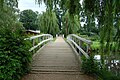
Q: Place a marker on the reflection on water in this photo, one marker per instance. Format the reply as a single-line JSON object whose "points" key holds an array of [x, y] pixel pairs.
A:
{"points": [[113, 64]]}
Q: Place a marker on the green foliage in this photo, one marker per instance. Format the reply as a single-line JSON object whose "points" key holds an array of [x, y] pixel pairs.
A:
{"points": [[89, 66], [48, 22], [95, 45], [106, 12], [70, 24], [89, 5], [92, 67], [107, 75], [15, 57], [29, 18], [73, 6], [49, 3]]}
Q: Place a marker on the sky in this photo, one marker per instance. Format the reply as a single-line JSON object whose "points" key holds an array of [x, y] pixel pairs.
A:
{"points": [[30, 4]]}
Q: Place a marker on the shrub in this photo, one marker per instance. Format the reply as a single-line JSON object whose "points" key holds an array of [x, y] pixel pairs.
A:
{"points": [[14, 55], [89, 66], [104, 74]]}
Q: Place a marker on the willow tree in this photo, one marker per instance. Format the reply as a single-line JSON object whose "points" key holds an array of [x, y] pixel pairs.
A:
{"points": [[107, 13], [48, 22], [70, 24], [73, 6]]}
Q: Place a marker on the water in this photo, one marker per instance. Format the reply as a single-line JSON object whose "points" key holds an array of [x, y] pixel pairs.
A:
{"points": [[113, 64]]}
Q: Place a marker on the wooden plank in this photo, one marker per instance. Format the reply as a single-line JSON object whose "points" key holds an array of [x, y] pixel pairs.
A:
{"points": [[52, 63], [53, 55]]}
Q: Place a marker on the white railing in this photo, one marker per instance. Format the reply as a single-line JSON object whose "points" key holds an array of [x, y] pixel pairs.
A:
{"points": [[77, 43], [39, 40]]}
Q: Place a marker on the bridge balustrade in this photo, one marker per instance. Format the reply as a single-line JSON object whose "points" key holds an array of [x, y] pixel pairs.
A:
{"points": [[39, 40], [80, 45]]}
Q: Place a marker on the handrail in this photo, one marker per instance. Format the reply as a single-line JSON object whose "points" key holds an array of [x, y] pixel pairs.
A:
{"points": [[76, 42], [34, 37], [41, 39], [82, 39]]}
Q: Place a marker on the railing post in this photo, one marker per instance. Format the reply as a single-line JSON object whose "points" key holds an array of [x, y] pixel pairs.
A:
{"points": [[88, 49], [39, 40], [73, 40], [77, 43], [56, 35], [79, 46], [33, 44], [43, 39]]}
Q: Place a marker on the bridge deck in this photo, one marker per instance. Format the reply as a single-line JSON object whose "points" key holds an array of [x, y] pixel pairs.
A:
{"points": [[56, 61]]}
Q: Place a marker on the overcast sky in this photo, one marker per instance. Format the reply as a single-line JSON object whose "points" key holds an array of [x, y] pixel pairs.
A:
{"points": [[30, 4]]}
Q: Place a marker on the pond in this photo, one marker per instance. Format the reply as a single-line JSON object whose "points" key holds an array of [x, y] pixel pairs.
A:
{"points": [[112, 63]]}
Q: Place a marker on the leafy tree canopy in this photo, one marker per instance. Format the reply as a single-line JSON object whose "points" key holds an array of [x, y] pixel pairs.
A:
{"points": [[28, 18]]}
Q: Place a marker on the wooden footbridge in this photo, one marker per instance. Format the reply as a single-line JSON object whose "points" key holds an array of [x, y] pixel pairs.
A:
{"points": [[57, 60]]}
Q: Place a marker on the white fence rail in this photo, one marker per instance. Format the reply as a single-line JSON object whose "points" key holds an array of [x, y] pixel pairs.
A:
{"points": [[39, 40], [77, 43]]}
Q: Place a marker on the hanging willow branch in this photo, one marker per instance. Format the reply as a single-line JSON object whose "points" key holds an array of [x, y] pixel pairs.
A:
{"points": [[70, 24], [48, 22]]}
